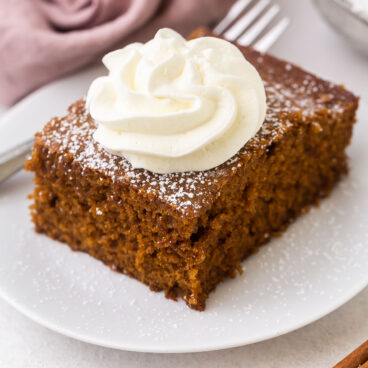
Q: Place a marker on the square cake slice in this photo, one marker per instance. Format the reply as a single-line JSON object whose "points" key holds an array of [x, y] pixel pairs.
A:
{"points": [[186, 232]]}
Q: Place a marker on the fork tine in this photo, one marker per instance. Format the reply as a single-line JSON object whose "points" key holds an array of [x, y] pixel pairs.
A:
{"points": [[231, 15], [252, 33], [269, 38], [238, 28]]}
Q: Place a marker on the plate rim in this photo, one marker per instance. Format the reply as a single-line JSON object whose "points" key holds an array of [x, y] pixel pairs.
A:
{"points": [[157, 350]]}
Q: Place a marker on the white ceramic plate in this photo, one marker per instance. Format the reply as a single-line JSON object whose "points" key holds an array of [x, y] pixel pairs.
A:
{"points": [[317, 265]]}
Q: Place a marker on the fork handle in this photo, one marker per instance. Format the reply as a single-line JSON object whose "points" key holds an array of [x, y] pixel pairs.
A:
{"points": [[14, 159]]}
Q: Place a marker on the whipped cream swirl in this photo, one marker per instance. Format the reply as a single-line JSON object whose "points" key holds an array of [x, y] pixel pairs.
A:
{"points": [[172, 105]]}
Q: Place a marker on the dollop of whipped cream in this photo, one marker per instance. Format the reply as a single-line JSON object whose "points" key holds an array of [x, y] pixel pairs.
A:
{"points": [[172, 105]]}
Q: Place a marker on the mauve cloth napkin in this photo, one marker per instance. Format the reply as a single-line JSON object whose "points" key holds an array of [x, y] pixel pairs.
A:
{"points": [[41, 40]]}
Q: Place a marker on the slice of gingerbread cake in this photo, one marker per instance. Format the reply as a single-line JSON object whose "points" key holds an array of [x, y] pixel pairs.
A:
{"points": [[184, 231]]}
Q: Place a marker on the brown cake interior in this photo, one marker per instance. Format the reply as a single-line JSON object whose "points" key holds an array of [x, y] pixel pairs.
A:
{"points": [[185, 232]]}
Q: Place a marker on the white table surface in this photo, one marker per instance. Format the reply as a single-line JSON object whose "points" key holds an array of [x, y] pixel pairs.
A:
{"points": [[310, 43]]}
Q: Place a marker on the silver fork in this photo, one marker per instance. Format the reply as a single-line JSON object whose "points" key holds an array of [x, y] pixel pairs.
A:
{"points": [[246, 22]]}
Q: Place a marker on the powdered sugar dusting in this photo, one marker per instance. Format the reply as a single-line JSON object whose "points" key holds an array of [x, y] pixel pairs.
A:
{"points": [[292, 95]]}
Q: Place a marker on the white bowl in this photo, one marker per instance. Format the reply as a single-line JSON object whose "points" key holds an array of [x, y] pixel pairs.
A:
{"points": [[349, 23]]}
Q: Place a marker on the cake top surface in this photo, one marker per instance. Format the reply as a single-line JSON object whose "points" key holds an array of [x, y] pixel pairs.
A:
{"points": [[293, 95]]}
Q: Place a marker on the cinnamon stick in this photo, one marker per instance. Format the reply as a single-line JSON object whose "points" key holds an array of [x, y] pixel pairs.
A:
{"points": [[358, 358]]}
